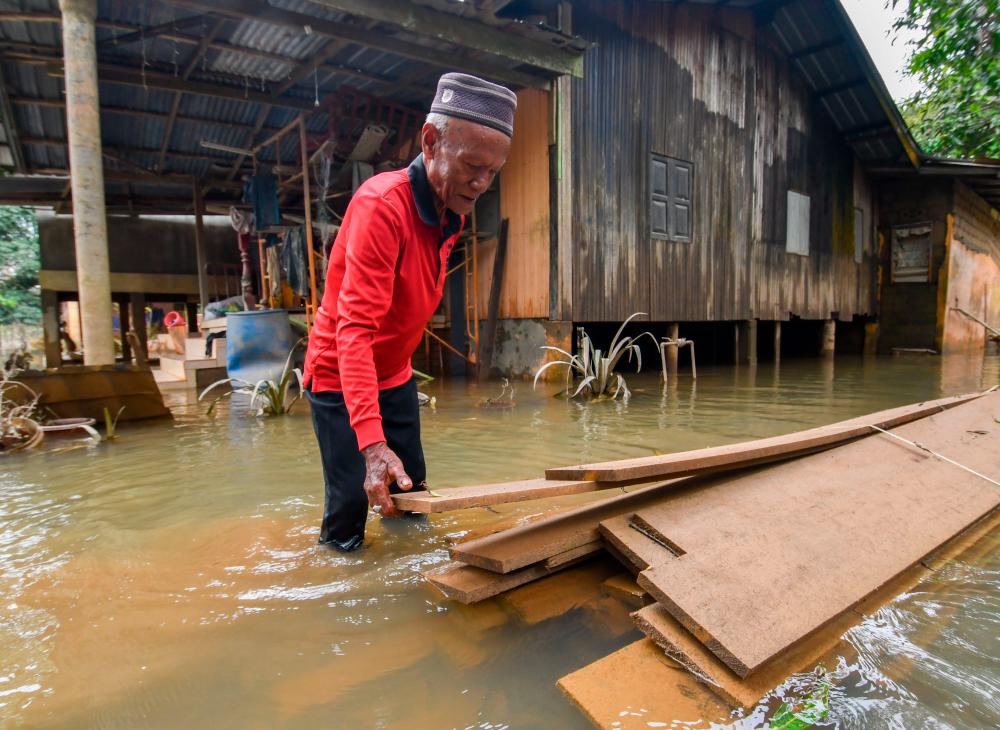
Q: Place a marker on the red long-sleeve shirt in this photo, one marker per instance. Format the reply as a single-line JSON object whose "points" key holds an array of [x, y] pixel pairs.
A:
{"points": [[384, 281]]}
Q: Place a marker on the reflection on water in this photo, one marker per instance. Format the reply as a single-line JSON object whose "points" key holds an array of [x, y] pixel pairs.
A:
{"points": [[172, 578]]}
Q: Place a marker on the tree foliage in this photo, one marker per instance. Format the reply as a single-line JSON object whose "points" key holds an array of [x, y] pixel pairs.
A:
{"points": [[20, 299], [957, 59]]}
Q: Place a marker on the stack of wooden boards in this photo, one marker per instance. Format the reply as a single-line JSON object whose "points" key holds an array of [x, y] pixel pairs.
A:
{"points": [[756, 571]]}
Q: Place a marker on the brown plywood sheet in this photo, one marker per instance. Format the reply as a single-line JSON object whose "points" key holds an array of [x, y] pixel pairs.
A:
{"points": [[624, 588], [772, 555], [750, 453], [559, 594], [823, 646], [519, 547], [484, 495], [638, 687]]}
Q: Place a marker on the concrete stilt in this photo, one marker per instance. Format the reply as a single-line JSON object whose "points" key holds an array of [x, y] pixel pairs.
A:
{"points": [[829, 338], [50, 328], [777, 341], [673, 332], [87, 178]]}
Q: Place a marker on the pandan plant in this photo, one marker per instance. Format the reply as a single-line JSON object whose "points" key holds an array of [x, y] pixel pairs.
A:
{"points": [[267, 397], [597, 368]]}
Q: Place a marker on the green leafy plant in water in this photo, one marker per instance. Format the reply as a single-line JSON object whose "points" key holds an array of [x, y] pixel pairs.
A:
{"points": [[267, 397], [111, 424], [810, 710], [596, 368]]}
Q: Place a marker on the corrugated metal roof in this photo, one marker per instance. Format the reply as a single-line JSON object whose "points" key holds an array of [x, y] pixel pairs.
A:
{"points": [[246, 55]]}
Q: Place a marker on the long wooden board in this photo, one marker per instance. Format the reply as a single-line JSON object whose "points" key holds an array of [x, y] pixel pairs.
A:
{"points": [[770, 556], [522, 546], [468, 584], [749, 453], [485, 495]]}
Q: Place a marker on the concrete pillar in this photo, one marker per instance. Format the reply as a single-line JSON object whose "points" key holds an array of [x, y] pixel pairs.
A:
{"points": [[673, 332], [829, 338], [50, 328], [137, 305], [87, 178], [777, 341]]}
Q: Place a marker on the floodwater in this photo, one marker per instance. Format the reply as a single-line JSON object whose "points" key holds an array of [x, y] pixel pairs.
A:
{"points": [[171, 578]]}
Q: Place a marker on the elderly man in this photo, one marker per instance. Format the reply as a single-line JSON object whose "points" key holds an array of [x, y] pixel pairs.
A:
{"points": [[384, 281]]}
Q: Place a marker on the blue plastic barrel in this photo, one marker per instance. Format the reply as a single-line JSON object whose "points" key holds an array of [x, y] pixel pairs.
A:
{"points": [[257, 344]]}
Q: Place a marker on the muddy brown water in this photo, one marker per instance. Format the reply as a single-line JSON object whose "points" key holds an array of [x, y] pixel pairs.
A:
{"points": [[171, 578]]}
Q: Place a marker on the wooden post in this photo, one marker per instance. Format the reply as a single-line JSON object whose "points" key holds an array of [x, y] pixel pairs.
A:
{"points": [[123, 327], [871, 339], [199, 249], [137, 303], [829, 338], [673, 332], [307, 201], [50, 328], [90, 226], [561, 306], [777, 341], [751, 341]]}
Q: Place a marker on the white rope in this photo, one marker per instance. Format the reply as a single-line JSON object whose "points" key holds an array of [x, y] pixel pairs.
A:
{"points": [[934, 453]]}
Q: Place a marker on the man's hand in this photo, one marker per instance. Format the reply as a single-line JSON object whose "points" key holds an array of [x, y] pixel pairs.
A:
{"points": [[382, 468]]}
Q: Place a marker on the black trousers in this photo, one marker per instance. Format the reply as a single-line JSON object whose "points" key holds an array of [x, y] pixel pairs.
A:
{"points": [[345, 504]]}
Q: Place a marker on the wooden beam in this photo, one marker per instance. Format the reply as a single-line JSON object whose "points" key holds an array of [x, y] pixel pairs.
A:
{"points": [[10, 126], [457, 30], [175, 106], [152, 31], [139, 177], [484, 495], [123, 151], [817, 48], [843, 86], [157, 80], [263, 12], [60, 104], [303, 69]]}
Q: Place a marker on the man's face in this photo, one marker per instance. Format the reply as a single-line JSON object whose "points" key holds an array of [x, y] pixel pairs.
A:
{"points": [[462, 163]]}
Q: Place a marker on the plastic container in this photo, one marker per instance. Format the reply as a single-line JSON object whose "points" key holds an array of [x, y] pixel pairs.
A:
{"points": [[257, 344]]}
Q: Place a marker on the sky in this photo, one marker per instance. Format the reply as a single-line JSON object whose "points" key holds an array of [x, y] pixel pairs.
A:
{"points": [[874, 24]]}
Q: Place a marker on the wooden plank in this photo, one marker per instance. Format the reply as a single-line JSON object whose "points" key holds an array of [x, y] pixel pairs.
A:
{"points": [[749, 453], [638, 687], [522, 546], [824, 532], [493, 306], [483, 495], [639, 550], [469, 584]]}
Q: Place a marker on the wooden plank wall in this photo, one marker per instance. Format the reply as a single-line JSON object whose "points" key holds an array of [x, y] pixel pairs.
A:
{"points": [[524, 200], [706, 85]]}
